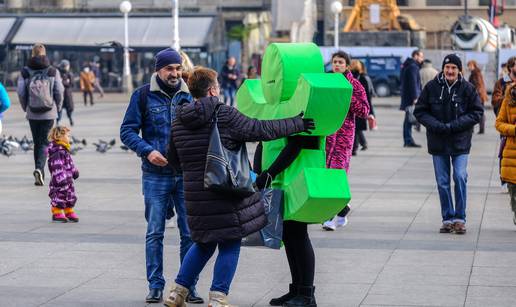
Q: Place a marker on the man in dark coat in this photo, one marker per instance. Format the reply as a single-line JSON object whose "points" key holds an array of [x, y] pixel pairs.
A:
{"points": [[410, 89], [217, 220], [151, 110], [449, 107], [67, 78]]}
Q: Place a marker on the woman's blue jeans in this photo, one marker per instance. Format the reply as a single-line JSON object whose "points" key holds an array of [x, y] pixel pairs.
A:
{"points": [[225, 265]]}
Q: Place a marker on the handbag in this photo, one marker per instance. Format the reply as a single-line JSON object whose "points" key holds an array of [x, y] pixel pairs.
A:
{"points": [[227, 171], [410, 115], [371, 121], [271, 235]]}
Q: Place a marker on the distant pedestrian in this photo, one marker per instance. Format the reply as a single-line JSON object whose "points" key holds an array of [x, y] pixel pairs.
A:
{"points": [[40, 91], [63, 171], [502, 84], [503, 70], [506, 125], [87, 81], [227, 219], [5, 103], [360, 73], [187, 65], [449, 108], [146, 130], [410, 90], [477, 80], [67, 77], [95, 68], [427, 72], [229, 77], [339, 146]]}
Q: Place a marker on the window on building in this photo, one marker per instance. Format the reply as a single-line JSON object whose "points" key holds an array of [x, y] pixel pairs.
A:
{"points": [[443, 2], [510, 2], [484, 2]]}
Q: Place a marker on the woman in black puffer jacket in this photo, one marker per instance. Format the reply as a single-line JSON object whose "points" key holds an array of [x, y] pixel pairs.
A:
{"points": [[216, 220]]}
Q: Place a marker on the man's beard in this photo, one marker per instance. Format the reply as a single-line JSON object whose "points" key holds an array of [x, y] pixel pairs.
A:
{"points": [[172, 82]]}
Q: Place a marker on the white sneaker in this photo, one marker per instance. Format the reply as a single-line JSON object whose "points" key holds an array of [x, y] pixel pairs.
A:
{"points": [[342, 221], [329, 225]]}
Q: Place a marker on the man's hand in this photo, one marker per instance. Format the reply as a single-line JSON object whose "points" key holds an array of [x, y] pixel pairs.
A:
{"points": [[156, 158]]}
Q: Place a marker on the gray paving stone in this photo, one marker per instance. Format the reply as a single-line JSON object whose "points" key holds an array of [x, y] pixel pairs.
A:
{"points": [[416, 295], [479, 296]]}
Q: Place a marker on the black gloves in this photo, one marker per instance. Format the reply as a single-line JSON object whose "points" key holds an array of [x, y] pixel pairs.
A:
{"points": [[308, 124]]}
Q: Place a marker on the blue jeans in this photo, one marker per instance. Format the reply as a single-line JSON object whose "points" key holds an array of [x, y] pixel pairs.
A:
{"points": [[407, 131], [225, 265], [460, 178], [229, 94], [160, 192]]}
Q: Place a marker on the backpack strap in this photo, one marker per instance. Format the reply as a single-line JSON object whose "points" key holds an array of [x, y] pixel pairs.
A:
{"points": [[142, 101]]}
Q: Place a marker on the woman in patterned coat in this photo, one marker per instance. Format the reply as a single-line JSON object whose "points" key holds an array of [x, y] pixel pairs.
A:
{"points": [[339, 145]]}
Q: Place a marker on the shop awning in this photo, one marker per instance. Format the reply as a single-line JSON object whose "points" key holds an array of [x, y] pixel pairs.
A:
{"points": [[5, 27], [93, 31]]}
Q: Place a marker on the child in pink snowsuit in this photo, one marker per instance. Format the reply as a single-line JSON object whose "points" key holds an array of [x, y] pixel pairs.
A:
{"points": [[339, 145], [62, 192]]}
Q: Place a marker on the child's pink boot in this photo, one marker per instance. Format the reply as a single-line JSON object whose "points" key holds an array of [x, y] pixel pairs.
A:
{"points": [[58, 215], [71, 215]]}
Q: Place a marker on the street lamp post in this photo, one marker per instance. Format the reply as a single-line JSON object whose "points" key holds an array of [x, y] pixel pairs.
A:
{"points": [[336, 8], [175, 25], [127, 80]]}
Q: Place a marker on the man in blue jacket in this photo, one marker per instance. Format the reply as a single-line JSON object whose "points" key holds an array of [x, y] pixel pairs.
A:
{"points": [[151, 111], [410, 90]]}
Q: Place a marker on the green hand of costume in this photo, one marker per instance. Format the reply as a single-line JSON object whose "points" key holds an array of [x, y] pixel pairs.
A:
{"points": [[293, 80]]}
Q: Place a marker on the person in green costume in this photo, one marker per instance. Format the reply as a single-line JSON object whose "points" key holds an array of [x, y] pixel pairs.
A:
{"points": [[293, 80]]}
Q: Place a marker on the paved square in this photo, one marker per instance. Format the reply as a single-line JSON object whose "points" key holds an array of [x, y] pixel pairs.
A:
{"points": [[390, 254]]}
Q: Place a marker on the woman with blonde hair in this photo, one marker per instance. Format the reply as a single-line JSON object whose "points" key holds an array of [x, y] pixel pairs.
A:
{"points": [[477, 80]]}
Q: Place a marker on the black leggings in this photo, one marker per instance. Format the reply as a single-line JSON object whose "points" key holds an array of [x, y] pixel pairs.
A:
{"points": [[300, 254]]}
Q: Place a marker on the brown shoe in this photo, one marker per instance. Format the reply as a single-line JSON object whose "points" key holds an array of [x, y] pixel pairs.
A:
{"points": [[446, 228], [459, 228]]}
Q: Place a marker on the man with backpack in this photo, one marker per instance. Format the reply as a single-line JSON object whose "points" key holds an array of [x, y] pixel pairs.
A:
{"points": [[151, 111], [40, 91]]}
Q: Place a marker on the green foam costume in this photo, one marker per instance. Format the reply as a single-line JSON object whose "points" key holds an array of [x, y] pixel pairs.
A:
{"points": [[293, 80]]}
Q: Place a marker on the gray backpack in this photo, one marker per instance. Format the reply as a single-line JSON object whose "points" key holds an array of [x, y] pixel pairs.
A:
{"points": [[40, 88]]}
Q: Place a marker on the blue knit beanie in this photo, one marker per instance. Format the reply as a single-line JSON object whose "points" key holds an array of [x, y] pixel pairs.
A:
{"points": [[166, 57]]}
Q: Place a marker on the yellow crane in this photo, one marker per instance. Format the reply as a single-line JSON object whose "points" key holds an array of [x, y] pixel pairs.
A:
{"points": [[388, 15]]}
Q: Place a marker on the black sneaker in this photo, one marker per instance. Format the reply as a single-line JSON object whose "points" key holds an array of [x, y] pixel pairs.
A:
{"points": [[38, 177], [154, 296], [194, 298]]}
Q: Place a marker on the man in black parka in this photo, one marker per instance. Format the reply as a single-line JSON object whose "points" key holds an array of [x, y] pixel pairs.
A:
{"points": [[449, 107]]}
